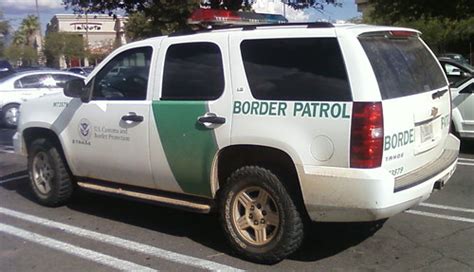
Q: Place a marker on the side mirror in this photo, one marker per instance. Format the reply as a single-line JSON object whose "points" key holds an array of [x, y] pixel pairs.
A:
{"points": [[74, 88]]}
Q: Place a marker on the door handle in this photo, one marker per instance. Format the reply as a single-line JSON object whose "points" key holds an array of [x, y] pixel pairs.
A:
{"points": [[133, 117], [211, 120]]}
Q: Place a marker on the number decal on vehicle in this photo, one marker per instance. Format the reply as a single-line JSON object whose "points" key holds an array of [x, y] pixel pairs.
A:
{"points": [[397, 171]]}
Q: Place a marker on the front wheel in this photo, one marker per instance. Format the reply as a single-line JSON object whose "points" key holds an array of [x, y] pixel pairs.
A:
{"points": [[50, 180], [259, 217]]}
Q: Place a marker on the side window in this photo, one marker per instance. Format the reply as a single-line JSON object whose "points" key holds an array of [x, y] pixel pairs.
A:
{"points": [[452, 70], [62, 79], [310, 69], [33, 81], [125, 77], [193, 71]]}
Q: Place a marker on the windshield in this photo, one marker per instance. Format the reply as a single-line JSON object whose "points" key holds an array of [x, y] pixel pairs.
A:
{"points": [[402, 66]]}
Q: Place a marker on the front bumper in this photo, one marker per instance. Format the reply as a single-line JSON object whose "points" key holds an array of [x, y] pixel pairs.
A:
{"points": [[350, 195], [19, 144]]}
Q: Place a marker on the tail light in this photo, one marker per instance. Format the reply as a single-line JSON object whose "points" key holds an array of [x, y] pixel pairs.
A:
{"points": [[366, 135]]}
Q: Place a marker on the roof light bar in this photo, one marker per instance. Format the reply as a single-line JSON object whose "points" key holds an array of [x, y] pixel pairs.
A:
{"points": [[227, 17]]}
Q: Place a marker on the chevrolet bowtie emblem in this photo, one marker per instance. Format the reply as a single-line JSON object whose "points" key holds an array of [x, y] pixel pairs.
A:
{"points": [[434, 111]]}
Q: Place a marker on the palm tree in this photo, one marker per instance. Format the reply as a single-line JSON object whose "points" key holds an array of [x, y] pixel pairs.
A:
{"points": [[29, 27]]}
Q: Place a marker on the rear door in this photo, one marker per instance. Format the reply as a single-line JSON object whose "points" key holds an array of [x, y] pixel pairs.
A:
{"points": [[415, 99], [192, 116]]}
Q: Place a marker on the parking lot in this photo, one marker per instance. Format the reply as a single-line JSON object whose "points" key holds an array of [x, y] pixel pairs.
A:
{"points": [[102, 233]]}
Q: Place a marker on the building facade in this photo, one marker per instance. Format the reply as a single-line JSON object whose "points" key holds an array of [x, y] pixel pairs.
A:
{"points": [[100, 33]]}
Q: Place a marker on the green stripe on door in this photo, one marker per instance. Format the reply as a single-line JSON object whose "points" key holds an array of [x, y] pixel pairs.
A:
{"points": [[189, 147]]}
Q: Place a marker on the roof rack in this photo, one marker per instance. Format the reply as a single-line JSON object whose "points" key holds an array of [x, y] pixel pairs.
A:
{"points": [[210, 28]]}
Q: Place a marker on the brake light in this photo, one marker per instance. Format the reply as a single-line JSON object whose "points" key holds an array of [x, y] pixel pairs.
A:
{"points": [[402, 34], [217, 16], [366, 135]]}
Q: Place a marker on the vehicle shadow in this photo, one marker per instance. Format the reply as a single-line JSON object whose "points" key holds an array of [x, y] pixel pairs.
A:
{"points": [[324, 240], [467, 146], [328, 239]]}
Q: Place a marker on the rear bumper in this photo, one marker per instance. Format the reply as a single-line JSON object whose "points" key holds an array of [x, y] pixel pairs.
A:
{"points": [[349, 195]]}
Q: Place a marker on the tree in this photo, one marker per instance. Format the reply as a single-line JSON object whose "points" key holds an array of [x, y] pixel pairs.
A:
{"points": [[23, 49], [160, 17], [57, 45], [20, 54], [392, 11], [29, 27], [446, 25], [317, 4], [4, 31]]}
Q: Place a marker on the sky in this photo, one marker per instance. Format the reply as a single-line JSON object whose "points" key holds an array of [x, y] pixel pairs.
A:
{"points": [[16, 10]]}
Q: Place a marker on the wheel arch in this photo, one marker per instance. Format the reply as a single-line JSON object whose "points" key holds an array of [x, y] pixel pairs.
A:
{"points": [[456, 119], [280, 162], [11, 103], [32, 133]]}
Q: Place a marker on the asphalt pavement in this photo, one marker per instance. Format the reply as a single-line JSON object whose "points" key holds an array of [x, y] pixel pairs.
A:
{"points": [[103, 233]]}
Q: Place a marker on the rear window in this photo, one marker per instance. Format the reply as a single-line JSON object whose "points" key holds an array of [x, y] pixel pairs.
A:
{"points": [[307, 69], [402, 67]]}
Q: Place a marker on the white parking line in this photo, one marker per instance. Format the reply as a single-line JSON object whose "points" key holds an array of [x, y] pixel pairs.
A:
{"points": [[13, 179], [465, 159], [73, 250], [123, 243], [443, 207], [465, 163], [442, 216]]}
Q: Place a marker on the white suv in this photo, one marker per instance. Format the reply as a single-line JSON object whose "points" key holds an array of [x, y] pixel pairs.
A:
{"points": [[266, 125]]}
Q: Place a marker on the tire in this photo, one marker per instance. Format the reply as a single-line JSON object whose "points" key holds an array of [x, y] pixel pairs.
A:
{"points": [[263, 231], [50, 180], [10, 114], [453, 131]]}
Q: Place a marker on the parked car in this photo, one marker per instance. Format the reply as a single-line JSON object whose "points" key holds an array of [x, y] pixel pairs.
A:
{"points": [[84, 71], [19, 87], [456, 71], [5, 69], [456, 57], [461, 82], [462, 93]]}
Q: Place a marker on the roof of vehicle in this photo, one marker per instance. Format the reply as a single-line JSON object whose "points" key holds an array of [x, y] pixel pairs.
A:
{"points": [[38, 72], [18, 75], [359, 28]]}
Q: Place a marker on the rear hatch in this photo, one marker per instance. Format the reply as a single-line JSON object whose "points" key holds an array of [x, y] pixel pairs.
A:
{"points": [[415, 99]]}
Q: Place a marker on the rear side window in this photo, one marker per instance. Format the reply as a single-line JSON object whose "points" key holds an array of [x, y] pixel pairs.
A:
{"points": [[307, 69], [193, 71], [61, 79], [402, 67]]}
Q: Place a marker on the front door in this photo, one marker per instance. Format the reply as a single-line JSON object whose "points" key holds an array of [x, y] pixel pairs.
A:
{"points": [[109, 134], [463, 104]]}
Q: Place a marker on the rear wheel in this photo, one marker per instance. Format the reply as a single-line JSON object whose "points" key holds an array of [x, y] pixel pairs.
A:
{"points": [[50, 180], [10, 115], [259, 218]]}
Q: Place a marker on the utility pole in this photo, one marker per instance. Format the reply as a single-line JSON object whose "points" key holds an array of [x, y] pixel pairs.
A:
{"points": [[40, 44]]}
